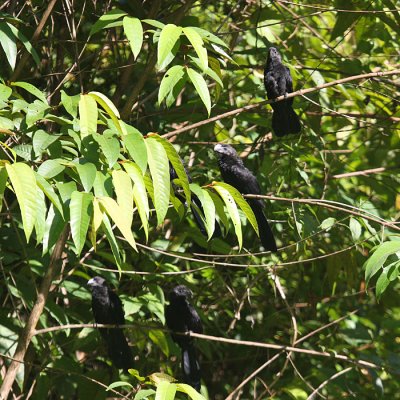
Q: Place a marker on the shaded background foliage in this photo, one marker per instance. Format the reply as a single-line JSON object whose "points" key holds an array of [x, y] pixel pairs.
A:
{"points": [[346, 128]]}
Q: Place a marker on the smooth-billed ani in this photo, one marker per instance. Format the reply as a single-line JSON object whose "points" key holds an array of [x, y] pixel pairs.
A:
{"points": [[196, 205], [107, 309], [237, 175], [181, 316], [278, 82]]}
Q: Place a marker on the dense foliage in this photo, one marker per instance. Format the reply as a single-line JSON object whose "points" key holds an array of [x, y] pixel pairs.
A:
{"points": [[97, 98]]}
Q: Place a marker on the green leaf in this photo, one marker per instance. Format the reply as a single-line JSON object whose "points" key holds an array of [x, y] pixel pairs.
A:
{"points": [[24, 151], [40, 221], [378, 258], [139, 194], [208, 208], [208, 36], [110, 108], [176, 162], [144, 394], [50, 168], [107, 20], [242, 203], [169, 80], [232, 210], [18, 34], [81, 210], [355, 229], [87, 174], [109, 145], [134, 32], [165, 391], [112, 208], [70, 103], [118, 384], [210, 72], [24, 183], [168, 38], [54, 226], [8, 43], [88, 115], [136, 146], [124, 191], [96, 222], [158, 337], [190, 391], [328, 223], [198, 45], [32, 90], [201, 87], [382, 283], [219, 208], [153, 22], [3, 182], [159, 170], [41, 141], [49, 192], [112, 241]]}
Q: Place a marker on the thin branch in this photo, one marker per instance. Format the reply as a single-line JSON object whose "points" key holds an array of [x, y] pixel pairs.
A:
{"points": [[344, 371], [249, 343], [287, 96], [364, 172]]}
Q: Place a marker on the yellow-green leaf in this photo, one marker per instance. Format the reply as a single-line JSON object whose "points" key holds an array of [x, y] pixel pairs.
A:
{"points": [[198, 45], [168, 38], [134, 32], [24, 183], [201, 87], [88, 115], [124, 191]]}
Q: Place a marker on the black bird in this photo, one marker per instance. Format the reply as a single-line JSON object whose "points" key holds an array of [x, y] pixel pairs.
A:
{"points": [[181, 316], [278, 82], [237, 175], [196, 205], [107, 309]]}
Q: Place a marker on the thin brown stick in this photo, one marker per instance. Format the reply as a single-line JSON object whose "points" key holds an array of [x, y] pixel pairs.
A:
{"points": [[29, 329], [341, 357], [365, 172], [344, 371], [287, 96]]}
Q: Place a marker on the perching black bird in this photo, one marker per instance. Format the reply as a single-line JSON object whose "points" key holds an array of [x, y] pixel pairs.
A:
{"points": [[181, 316], [278, 82], [237, 175], [107, 309], [196, 205]]}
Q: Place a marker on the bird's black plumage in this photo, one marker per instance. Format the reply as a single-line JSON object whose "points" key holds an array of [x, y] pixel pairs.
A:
{"points": [[181, 316], [237, 175], [195, 207], [107, 309], [278, 82]]}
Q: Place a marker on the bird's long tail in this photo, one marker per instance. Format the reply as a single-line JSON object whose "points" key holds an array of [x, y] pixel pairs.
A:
{"points": [[191, 367], [118, 349], [266, 235], [285, 120]]}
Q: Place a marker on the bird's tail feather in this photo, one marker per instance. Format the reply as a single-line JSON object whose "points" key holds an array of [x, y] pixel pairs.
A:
{"points": [[119, 350], [191, 367], [285, 121], [266, 235]]}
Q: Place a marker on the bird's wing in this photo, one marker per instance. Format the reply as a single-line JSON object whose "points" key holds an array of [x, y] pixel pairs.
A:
{"points": [[117, 309], [244, 181], [289, 82], [193, 320]]}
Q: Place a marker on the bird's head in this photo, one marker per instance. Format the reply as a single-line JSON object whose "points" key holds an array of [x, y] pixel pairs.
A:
{"points": [[224, 150], [180, 292], [96, 282], [273, 54]]}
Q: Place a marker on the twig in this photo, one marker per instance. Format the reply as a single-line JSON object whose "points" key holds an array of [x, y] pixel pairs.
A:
{"points": [[341, 357], [312, 395], [365, 172]]}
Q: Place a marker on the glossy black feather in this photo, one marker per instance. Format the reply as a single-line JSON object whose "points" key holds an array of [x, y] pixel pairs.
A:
{"points": [[278, 82], [237, 175], [181, 316], [107, 309]]}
